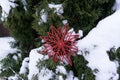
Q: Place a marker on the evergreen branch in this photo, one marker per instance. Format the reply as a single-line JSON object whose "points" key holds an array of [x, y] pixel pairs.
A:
{"points": [[16, 73]]}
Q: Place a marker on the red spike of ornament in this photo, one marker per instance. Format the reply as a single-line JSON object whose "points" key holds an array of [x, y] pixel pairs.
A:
{"points": [[60, 44]]}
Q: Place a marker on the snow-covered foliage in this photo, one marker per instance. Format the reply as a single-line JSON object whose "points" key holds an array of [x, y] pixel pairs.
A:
{"points": [[43, 17], [94, 48], [44, 73], [34, 58], [58, 8], [24, 66], [6, 6], [61, 69], [95, 45], [117, 5], [13, 78], [64, 22], [24, 3], [5, 48]]}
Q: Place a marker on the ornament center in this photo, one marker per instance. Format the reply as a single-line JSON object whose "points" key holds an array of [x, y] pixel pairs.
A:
{"points": [[60, 43]]}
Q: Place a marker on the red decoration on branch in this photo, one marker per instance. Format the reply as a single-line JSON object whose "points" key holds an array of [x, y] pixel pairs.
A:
{"points": [[60, 44]]}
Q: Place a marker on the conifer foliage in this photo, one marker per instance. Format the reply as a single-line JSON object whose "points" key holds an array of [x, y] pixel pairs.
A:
{"points": [[32, 18], [114, 55], [80, 14], [19, 22]]}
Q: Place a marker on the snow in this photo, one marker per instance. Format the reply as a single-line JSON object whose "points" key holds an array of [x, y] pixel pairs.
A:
{"points": [[6, 6], [93, 47], [45, 74], [44, 15], [34, 58], [80, 33], [99, 40], [61, 69], [58, 8], [76, 78], [61, 78], [5, 48], [117, 5], [64, 22], [24, 66], [24, 3], [15, 57], [70, 76], [13, 78]]}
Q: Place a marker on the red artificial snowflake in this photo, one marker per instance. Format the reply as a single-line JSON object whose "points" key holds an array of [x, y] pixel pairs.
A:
{"points": [[60, 44]]}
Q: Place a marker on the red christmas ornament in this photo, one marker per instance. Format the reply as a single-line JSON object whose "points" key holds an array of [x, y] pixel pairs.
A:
{"points": [[60, 44]]}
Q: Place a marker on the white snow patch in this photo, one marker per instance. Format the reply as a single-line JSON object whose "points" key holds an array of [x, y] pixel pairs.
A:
{"points": [[70, 76], [58, 8], [80, 33], [15, 57], [24, 66], [44, 15], [34, 58], [25, 4], [5, 48], [75, 78], [99, 40], [13, 78], [61, 78], [6, 6], [45, 74], [61, 69], [117, 5], [64, 22]]}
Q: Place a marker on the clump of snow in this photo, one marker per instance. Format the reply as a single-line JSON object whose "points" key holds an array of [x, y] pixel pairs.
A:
{"points": [[99, 40], [15, 57], [75, 78], [45, 74], [24, 66], [25, 4], [64, 22], [13, 78], [19, 55], [34, 58], [6, 6], [117, 5], [80, 33], [5, 48], [70, 76], [61, 69], [60, 77], [58, 8], [44, 16]]}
